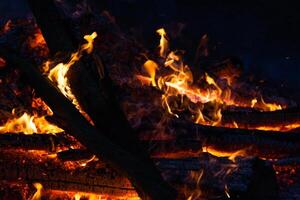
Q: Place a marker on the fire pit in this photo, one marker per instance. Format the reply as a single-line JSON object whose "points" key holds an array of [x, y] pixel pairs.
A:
{"points": [[88, 111]]}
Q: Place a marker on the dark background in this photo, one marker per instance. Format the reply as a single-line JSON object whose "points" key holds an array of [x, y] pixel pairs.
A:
{"points": [[264, 34]]}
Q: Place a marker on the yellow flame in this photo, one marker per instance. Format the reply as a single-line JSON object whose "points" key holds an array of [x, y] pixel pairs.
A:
{"points": [[253, 102], [163, 43], [230, 155], [58, 74], [203, 98], [270, 106], [29, 124], [38, 194], [151, 67]]}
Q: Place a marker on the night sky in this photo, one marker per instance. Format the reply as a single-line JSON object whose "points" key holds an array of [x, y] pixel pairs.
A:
{"points": [[264, 34]]}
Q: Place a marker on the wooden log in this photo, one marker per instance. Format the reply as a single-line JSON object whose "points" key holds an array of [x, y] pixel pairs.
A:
{"points": [[257, 119], [242, 178], [192, 138], [147, 181], [35, 141], [190, 141], [53, 26], [209, 177], [97, 94], [91, 85], [52, 174]]}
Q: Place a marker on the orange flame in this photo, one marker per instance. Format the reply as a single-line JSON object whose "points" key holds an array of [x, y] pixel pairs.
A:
{"points": [[178, 85], [29, 124], [163, 43], [38, 194], [58, 74]]}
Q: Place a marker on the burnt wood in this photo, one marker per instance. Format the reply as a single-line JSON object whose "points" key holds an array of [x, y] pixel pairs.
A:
{"points": [[95, 94], [255, 118], [143, 176], [245, 178], [52, 26], [90, 83], [46, 142], [190, 139]]}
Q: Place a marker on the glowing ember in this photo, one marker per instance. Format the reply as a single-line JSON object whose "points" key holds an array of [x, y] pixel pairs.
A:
{"points": [[29, 124], [2, 62], [38, 42], [58, 74]]}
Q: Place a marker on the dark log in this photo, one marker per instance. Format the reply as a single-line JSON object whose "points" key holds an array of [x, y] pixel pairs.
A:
{"points": [[46, 142], [220, 178], [52, 25], [191, 138], [242, 179], [52, 174], [256, 119], [95, 95], [146, 180], [93, 90]]}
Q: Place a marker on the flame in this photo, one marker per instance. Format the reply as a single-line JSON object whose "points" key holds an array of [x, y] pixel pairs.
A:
{"points": [[151, 68], [253, 102], [58, 74], [163, 43], [179, 83], [204, 98], [29, 124], [270, 106], [38, 194], [230, 155], [77, 195], [283, 128]]}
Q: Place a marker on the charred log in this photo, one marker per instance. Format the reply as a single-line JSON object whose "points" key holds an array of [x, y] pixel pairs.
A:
{"points": [[46, 142], [241, 179], [93, 88], [54, 175], [258, 119], [143, 176], [192, 138]]}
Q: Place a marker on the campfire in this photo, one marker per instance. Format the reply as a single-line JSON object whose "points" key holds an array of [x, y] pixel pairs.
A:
{"points": [[89, 112]]}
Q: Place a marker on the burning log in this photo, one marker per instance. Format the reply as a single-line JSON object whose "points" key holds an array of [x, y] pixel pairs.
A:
{"points": [[90, 83], [53, 26], [146, 180], [219, 177], [102, 108], [36, 167], [222, 178], [276, 118], [193, 138], [46, 142]]}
